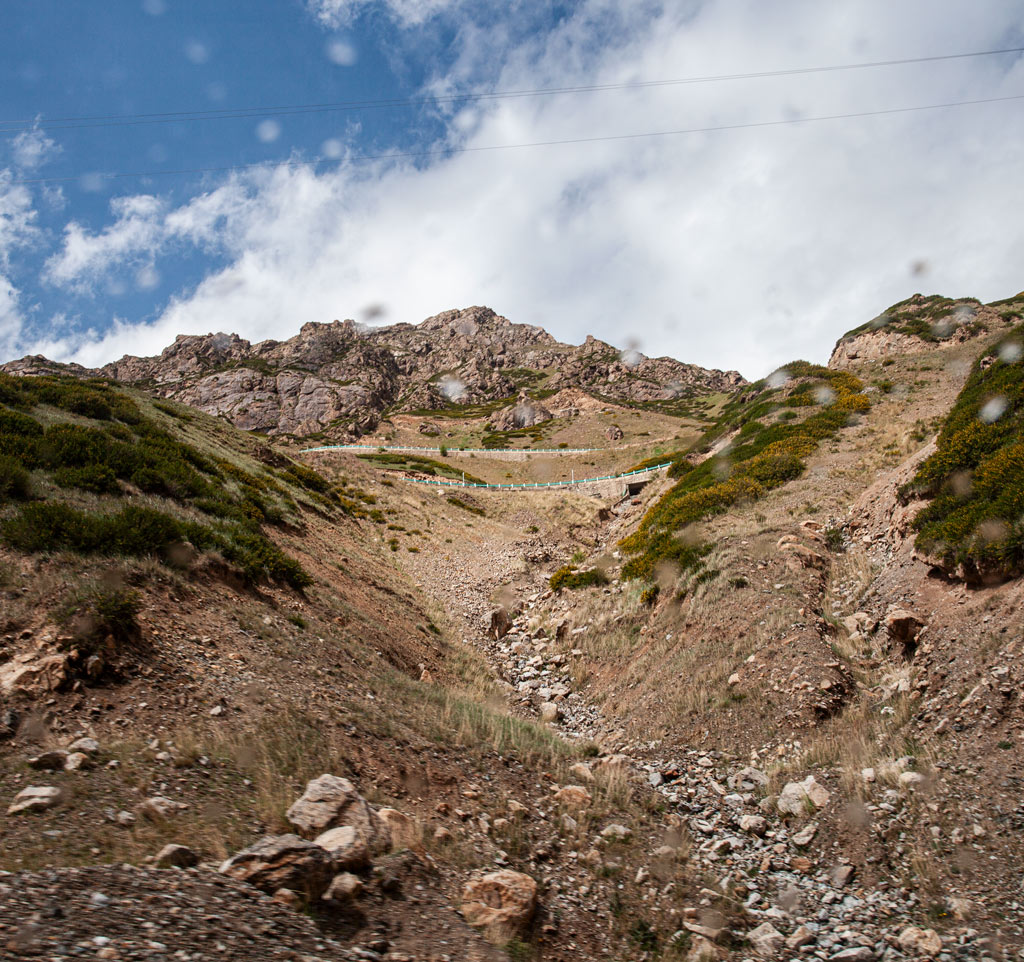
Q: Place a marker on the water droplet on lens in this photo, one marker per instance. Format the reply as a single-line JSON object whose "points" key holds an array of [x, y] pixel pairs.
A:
{"points": [[197, 51], [452, 388], [824, 395], [1010, 352], [268, 131], [333, 148], [147, 278], [778, 378], [342, 53], [993, 410]]}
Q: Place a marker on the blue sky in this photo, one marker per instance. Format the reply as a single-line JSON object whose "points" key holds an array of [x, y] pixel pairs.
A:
{"points": [[735, 248]]}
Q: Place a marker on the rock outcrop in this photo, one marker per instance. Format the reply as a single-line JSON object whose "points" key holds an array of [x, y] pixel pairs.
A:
{"points": [[342, 377]]}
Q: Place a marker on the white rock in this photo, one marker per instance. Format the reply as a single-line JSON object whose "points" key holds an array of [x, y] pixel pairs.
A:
{"points": [[35, 798], [766, 940]]}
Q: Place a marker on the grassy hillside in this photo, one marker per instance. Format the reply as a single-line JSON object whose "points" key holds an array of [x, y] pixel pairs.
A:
{"points": [[975, 479], [93, 469], [776, 428]]}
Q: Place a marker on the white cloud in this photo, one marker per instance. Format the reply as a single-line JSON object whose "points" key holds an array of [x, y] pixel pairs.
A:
{"points": [[742, 248], [32, 148], [85, 257], [17, 217], [339, 13], [11, 321]]}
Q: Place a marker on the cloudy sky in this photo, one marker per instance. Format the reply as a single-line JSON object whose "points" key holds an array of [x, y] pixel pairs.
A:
{"points": [[182, 166]]}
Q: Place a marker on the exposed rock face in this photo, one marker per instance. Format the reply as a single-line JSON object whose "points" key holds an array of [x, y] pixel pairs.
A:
{"points": [[341, 376], [502, 904]]}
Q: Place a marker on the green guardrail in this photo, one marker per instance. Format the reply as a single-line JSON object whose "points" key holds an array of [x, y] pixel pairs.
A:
{"points": [[454, 483], [407, 447]]}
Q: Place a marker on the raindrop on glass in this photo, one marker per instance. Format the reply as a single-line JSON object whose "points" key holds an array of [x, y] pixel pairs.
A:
{"points": [[778, 378], [1010, 351], [333, 148], [342, 53], [452, 388], [879, 322], [147, 278], [824, 394], [92, 182], [197, 51], [268, 131], [155, 8], [993, 410]]}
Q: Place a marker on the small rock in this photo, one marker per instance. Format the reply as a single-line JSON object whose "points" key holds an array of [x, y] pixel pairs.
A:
{"points": [[176, 856], [799, 938], [805, 836], [502, 904], [344, 888], [766, 940], [801, 798], [330, 801], [581, 772], [88, 745], [573, 796], [842, 874], [911, 780], [615, 831], [158, 808], [35, 798], [856, 953], [550, 712], [76, 761], [755, 824], [915, 941], [51, 761]]}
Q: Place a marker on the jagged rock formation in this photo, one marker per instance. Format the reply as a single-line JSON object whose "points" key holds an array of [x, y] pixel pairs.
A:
{"points": [[342, 377]]}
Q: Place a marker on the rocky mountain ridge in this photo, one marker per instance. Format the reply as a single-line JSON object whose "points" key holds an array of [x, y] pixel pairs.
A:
{"points": [[342, 379]]}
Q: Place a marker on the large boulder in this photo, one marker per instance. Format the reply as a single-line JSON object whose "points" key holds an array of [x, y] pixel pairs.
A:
{"points": [[284, 862], [329, 802], [501, 904]]}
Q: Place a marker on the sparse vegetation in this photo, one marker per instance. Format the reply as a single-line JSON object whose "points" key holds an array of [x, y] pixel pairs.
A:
{"points": [[975, 479]]}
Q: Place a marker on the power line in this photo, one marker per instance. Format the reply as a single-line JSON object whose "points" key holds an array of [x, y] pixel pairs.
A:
{"points": [[144, 119], [444, 152]]}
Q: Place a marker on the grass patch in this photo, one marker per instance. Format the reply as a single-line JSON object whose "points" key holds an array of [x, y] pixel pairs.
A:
{"points": [[932, 318]]}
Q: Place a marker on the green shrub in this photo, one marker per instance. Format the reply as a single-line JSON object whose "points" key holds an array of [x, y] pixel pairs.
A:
{"points": [[568, 577], [15, 484], [100, 615], [975, 478], [97, 478]]}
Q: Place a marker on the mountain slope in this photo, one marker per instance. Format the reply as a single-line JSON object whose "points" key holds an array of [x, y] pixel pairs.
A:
{"points": [[340, 379]]}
